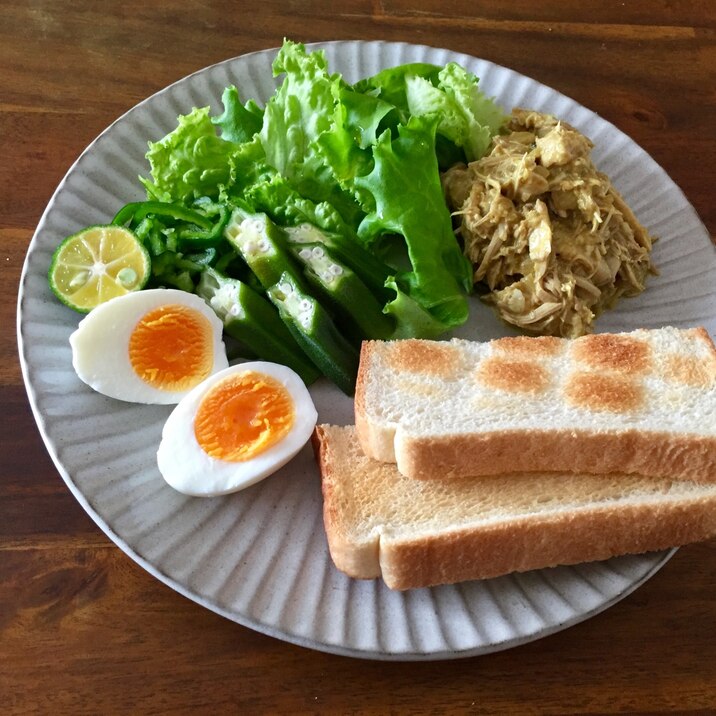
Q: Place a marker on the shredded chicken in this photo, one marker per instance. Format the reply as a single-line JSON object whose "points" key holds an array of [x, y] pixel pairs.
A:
{"points": [[546, 232]]}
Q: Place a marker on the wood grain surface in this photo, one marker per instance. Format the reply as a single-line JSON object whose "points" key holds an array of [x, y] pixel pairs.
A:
{"points": [[83, 629]]}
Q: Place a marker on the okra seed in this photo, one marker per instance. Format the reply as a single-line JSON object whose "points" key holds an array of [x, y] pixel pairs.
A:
{"points": [[335, 269], [305, 305], [305, 254], [263, 246], [254, 226], [286, 289], [226, 295], [317, 252]]}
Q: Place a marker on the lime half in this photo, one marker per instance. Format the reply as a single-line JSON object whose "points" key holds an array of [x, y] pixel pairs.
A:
{"points": [[97, 264]]}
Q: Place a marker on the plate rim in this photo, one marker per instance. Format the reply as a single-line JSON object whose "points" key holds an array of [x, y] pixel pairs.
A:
{"points": [[661, 558]]}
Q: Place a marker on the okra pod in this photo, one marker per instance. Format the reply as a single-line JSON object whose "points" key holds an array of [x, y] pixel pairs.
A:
{"points": [[315, 332], [262, 245], [343, 288], [254, 322], [368, 267]]}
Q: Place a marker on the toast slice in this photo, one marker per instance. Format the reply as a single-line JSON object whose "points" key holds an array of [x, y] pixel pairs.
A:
{"points": [[416, 533], [636, 403]]}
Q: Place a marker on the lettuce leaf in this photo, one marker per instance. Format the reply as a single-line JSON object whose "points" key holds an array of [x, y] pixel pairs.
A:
{"points": [[467, 117], [411, 319], [295, 117], [274, 196], [248, 166], [190, 162], [390, 84], [238, 123], [407, 200], [347, 147], [362, 161], [299, 111]]}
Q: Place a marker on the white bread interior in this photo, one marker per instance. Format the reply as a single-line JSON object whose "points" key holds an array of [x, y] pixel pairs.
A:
{"points": [[642, 402], [417, 533]]}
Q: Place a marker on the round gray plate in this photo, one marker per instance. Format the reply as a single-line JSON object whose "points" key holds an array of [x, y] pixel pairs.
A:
{"points": [[259, 557]]}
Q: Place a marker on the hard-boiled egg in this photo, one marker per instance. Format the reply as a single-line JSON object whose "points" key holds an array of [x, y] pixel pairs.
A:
{"points": [[236, 428], [149, 346]]}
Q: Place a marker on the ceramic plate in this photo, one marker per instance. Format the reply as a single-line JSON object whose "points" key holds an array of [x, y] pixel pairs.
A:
{"points": [[259, 557]]}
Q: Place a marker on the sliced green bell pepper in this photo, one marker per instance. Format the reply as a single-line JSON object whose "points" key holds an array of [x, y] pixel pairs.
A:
{"points": [[138, 210]]}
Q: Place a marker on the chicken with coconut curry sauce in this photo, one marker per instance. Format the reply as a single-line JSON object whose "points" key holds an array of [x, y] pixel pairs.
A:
{"points": [[548, 235]]}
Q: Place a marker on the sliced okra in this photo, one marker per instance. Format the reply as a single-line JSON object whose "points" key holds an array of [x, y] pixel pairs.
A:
{"points": [[315, 332], [254, 322], [261, 244], [369, 268], [343, 288]]}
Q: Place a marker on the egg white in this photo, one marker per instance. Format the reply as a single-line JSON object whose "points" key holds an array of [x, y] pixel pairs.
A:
{"points": [[100, 345], [188, 469]]}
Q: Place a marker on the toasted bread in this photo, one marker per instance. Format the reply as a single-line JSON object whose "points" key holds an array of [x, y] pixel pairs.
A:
{"points": [[417, 533], [635, 403]]}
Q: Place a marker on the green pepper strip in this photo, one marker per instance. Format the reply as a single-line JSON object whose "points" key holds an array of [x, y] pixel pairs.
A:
{"points": [[203, 258], [254, 322], [315, 332], [206, 237], [137, 210]]}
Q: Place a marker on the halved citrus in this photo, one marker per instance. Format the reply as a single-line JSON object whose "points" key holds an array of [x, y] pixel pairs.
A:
{"points": [[97, 264]]}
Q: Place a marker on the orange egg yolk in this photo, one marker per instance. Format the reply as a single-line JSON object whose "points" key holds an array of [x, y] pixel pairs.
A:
{"points": [[242, 416], [171, 348]]}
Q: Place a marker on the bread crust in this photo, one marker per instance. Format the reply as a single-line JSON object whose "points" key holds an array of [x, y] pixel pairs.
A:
{"points": [[357, 559], [606, 361], [378, 441], [588, 530], [627, 452], [524, 544]]}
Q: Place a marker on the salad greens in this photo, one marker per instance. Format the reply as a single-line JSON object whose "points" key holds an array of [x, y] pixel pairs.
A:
{"points": [[351, 171]]}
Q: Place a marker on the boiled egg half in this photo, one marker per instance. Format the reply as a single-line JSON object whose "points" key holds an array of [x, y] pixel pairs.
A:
{"points": [[149, 346], [235, 428]]}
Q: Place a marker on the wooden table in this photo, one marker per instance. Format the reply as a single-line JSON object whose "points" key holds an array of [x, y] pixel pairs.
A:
{"points": [[85, 630]]}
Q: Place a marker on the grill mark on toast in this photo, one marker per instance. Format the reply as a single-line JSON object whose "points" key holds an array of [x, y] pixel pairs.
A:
{"points": [[512, 375], [691, 371], [425, 357], [604, 392], [607, 351], [525, 346]]}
